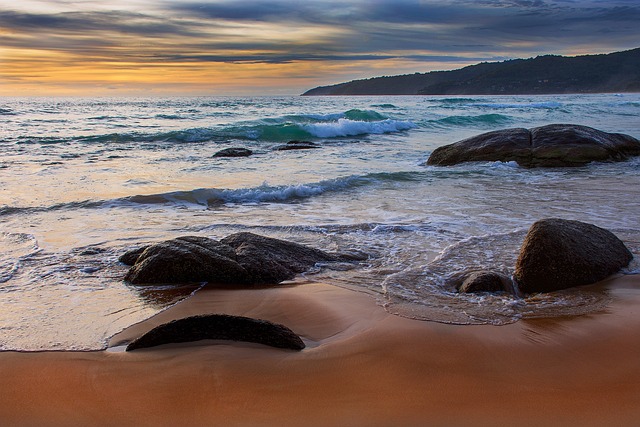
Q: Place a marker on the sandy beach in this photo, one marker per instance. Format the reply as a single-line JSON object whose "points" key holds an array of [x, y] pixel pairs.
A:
{"points": [[362, 367]]}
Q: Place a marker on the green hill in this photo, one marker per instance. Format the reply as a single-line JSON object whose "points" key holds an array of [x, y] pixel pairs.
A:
{"points": [[549, 74]]}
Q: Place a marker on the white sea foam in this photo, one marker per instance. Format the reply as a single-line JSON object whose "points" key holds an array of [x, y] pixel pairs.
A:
{"points": [[346, 127], [264, 193]]}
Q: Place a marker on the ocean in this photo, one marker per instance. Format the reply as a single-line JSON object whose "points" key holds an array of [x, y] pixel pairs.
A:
{"points": [[84, 180]]}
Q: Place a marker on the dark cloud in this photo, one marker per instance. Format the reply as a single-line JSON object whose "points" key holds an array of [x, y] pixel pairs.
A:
{"points": [[79, 23], [435, 31]]}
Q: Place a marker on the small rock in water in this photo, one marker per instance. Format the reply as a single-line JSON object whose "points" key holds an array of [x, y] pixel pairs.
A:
{"points": [[219, 327], [482, 281], [234, 152], [297, 145]]}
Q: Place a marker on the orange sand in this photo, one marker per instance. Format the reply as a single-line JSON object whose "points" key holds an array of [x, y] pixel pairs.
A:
{"points": [[362, 367]]}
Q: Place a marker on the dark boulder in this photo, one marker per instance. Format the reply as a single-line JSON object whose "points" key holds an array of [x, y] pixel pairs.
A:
{"points": [[482, 281], [573, 145], [219, 327], [234, 152], [188, 259], [297, 145], [239, 259], [269, 260], [130, 257], [556, 145], [501, 145], [559, 254]]}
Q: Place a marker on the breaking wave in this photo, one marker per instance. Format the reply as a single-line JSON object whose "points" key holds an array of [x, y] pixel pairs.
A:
{"points": [[266, 193], [354, 122]]}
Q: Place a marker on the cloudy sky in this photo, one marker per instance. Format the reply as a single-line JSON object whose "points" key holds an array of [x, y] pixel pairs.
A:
{"points": [[262, 47]]}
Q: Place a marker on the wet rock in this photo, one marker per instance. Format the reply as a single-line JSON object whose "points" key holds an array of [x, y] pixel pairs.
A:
{"points": [[239, 259], [501, 145], [130, 257], [219, 327], [559, 254], [573, 145], [187, 259], [556, 145], [483, 281], [234, 152], [297, 145], [269, 260]]}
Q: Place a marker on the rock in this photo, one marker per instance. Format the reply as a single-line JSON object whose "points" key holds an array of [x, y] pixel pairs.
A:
{"points": [[501, 145], [483, 281], [234, 152], [556, 145], [239, 259], [188, 259], [269, 260], [573, 145], [219, 327], [130, 257], [297, 145], [559, 254]]}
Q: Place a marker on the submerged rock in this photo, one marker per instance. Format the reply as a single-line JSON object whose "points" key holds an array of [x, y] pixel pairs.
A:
{"points": [[483, 281], [559, 254], [239, 259], [556, 145], [297, 145], [219, 327], [234, 152]]}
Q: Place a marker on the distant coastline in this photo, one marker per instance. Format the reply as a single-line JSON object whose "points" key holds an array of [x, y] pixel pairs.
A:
{"points": [[543, 75]]}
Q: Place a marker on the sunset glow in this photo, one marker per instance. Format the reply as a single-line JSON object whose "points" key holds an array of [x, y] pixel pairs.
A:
{"points": [[280, 47]]}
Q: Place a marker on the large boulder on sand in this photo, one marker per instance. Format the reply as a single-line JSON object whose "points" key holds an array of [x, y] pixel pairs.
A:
{"points": [[559, 254], [553, 145], [239, 259], [219, 327]]}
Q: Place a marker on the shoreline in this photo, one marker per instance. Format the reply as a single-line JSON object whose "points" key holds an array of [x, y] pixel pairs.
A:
{"points": [[362, 367]]}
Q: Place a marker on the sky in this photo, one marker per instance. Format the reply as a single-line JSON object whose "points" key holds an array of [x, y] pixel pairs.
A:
{"points": [[282, 47]]}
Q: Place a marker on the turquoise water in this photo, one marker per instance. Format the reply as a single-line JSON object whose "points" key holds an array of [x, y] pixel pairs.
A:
{"points": [[85, 179]]}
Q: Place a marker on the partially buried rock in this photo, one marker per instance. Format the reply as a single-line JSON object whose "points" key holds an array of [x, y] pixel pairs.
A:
{"points": [[239, 259], [220, 327], [483, 281], [556, 145], [234, 152], [559, 254], [297, 145]]}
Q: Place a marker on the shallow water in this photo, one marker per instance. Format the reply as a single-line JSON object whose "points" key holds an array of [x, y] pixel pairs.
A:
{"points": [[84, 180]]}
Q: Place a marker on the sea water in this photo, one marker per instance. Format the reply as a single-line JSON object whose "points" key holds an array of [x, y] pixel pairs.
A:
{"points": [[84, 180]]}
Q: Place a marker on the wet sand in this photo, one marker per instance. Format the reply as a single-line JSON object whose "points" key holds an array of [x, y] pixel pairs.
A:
{"points": [[362, 367]]}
